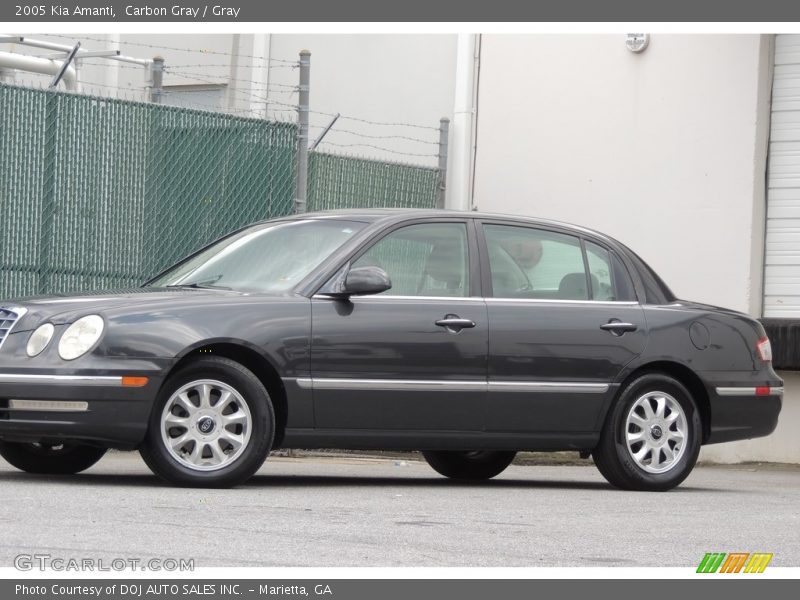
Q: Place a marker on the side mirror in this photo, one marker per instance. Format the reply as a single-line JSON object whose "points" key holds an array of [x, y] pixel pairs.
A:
{"points": [[361, 281]]}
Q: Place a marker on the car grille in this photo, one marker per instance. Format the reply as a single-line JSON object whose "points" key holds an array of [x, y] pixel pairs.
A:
{"points": [[9, 318]]}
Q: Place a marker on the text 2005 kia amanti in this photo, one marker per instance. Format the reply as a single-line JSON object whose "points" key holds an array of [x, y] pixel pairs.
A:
{"points": [[464, 335]]}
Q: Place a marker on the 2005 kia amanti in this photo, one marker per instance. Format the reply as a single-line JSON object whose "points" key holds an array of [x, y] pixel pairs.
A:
{"points": [[464, 335]]}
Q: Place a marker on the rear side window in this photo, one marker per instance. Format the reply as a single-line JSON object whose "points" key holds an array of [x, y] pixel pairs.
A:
{"points": [[544, 265], [609, 278], [535, 264]]}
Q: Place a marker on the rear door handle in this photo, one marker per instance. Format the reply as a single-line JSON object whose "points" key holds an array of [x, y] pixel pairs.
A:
{"points": [[617, 327], [454, 323]]}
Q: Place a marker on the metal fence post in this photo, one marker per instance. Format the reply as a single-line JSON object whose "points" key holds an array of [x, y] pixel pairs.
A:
{"points": [[157, 76], [444, 131], [301, 193]]}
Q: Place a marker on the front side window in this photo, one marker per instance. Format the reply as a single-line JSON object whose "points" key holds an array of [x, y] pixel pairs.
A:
{"points": [[428, 259], [269, 258], [536, 264]]}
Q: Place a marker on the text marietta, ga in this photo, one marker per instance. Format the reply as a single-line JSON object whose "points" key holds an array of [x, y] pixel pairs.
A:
{"points": [[193, 12]]}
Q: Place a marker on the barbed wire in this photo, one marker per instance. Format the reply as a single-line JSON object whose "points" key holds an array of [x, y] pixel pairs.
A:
{"points": [[374, 147], [247, 94], [114, 64], [375, 137], [368, 122], [227, 65], [270, 87], [160, 47]]}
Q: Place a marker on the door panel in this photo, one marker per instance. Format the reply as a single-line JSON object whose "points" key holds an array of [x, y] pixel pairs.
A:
{"points": [[556, 344], [563, 324], [413, 357], [383, 363]]}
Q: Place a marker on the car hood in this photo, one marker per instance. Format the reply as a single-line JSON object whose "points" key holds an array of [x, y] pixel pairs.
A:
{"points": [[64, 308]]}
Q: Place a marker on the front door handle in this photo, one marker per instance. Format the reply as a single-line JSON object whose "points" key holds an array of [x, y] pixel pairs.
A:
{"points": [[454, 323], [617, 327]]}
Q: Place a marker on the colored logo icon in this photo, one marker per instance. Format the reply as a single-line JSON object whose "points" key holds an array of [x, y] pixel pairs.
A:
{"points": [[734, 562]]}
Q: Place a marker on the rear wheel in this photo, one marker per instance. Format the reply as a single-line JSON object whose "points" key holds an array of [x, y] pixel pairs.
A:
{"points": [[212, 425], [652, 436], [50, 459], [477, 465]]}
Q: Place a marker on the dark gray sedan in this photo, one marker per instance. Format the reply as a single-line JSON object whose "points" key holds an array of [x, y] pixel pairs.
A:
{"points": [[467, 336]]}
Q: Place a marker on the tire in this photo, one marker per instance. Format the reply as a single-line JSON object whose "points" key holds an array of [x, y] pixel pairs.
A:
{"points": [[469, 466], [642, 450], [212, 425], [51, 459]]}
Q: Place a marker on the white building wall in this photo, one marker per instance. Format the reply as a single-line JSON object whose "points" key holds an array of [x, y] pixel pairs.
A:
{"points": [[666, 151]]}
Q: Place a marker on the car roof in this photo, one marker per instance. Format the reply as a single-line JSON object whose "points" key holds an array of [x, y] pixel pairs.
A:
{"points": [[374, 215]]}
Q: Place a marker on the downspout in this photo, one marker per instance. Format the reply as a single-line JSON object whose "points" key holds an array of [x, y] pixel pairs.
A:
{"points": [[34, 64], [464, 128]]}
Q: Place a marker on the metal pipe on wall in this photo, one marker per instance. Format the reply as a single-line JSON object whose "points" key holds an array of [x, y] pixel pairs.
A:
{"points": [[463, 129], [34, 64]]}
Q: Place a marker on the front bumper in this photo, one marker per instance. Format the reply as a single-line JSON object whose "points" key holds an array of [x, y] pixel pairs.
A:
{"points": [[742, 406], [87, 405]]}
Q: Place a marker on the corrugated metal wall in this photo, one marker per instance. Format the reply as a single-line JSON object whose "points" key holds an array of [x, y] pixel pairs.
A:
{"points": [[782, 259]]}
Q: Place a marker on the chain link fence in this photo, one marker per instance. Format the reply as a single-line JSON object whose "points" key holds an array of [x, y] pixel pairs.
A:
{"points": [[336, 181], [103, 193]]}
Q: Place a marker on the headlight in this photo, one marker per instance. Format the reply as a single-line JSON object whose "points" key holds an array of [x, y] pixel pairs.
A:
{"points": [[79, 337], [39, 339]]}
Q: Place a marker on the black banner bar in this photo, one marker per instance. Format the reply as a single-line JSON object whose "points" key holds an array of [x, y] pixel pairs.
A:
{"points": [[730, 588], [408, 10]]}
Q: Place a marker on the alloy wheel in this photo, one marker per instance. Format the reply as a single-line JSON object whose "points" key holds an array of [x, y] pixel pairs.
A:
{"points": [[656, 432], [206, 425]]}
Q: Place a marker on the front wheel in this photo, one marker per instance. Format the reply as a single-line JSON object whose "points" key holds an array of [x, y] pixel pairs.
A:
{"points": [[50, 459], [212, 425], [469, 466], [652, 436]]}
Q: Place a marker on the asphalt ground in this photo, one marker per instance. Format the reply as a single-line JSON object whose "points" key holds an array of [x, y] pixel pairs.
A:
{"points": [[357, 511]]}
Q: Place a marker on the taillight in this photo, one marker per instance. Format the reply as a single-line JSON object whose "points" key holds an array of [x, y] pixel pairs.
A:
{"points": [[764, 349]]}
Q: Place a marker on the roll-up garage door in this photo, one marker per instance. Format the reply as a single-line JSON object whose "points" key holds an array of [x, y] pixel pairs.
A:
{"points": [[782, 261]]}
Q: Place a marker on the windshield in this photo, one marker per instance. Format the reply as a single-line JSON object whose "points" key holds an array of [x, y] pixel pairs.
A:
{"points": [[269, 258]]}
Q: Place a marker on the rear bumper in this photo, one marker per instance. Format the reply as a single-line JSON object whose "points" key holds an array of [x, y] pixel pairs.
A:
{"points": [[90, 406], [743, 408]]}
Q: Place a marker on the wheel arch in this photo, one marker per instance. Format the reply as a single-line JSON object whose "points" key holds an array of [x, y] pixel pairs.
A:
{"points": [[682, 373], [252, 359]]}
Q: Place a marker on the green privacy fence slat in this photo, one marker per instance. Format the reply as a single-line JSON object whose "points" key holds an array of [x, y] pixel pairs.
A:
{"points": [[336, 181], [102, 193]]}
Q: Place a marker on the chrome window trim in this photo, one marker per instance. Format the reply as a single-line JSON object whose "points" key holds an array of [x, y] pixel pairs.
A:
{"points": [[88, 380], [477, 299], [480, 299], [747, 391], [425, 385], [48, 405], [559, 301], [20, 312]]}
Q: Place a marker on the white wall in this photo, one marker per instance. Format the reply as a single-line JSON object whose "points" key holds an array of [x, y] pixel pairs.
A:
{"points": [[657, 149]]}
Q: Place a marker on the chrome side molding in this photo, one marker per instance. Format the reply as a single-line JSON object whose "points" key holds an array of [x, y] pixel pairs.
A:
{"points": [[432, 385], [748, 391], [92, 380], [49, 405]]}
